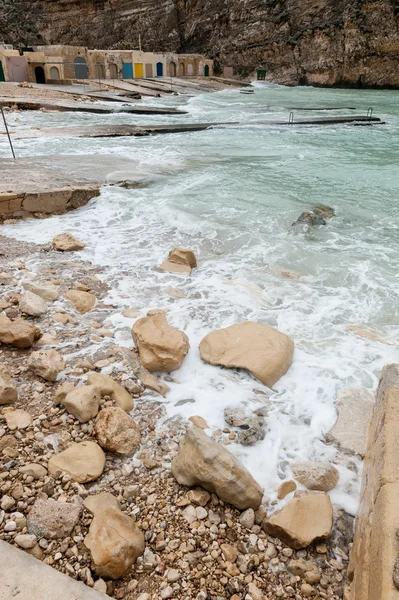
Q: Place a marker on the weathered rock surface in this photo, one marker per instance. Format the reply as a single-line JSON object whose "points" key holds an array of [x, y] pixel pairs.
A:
{"points": [[307, 220], [355, 408], [201, 461], [171, 267], [321, 476], [83, 402], [18, 333], [265, 352], [46, 364], [305, 518], [117, 432], [66, 242], [8, 389], [114, 540], [161, 347], [110, 387], [17, 419], [84, 461], [83, 301], [52, 519], [180, 260], [46, 291], [33, 470], [33, 305]]}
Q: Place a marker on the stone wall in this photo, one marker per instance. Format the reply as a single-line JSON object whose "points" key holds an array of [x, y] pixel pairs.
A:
{"points": [[374, 565]]}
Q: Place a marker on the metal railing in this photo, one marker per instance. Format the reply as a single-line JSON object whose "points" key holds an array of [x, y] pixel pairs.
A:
{"points": [[7, 132]]}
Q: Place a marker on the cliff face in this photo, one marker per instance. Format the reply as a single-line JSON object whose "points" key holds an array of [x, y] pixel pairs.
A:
{"points": [[320, 42]]}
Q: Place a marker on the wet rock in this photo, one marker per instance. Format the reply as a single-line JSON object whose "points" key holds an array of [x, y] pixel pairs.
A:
{"points": [[33, 305], [83, 461], [46, 291], [66, 242], [46, 364], [251, 432], [287, 487], [116, 432], [17, 419], [84, 302], [110, 387], [307, 220], [53, 520], [321, 476], [199, 422], [355, 409], [8, 389], [324, 211], [263, 351], [201, 461], [305, 518], [161, 347], [83, 402], [18, 333], [180, 260], [114, 540]]}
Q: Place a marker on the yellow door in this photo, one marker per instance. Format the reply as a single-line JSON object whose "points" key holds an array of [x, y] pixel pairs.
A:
{"points": [[138, 70]]}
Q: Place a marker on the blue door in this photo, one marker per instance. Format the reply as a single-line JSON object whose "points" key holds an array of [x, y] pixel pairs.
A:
{"points": [[159, 70], [127, 70], [81, 70]]}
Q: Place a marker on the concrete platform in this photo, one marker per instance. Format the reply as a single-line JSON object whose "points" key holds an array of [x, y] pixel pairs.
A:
{"points": [[25, 578]]}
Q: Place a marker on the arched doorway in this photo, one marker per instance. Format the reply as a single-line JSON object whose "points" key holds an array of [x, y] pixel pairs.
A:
{"points": [[206, 71], [190, 70], [172, 69], [113, 71], [99, 71], [54, 73], [2, 78], [182, 70], [81, 71], [40, 76], [159, 69]]}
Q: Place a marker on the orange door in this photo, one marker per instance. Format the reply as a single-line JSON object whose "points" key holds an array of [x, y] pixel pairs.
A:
{"points": [[138, 70]]}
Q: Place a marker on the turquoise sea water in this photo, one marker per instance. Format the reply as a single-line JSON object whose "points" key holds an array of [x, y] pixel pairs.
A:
{"points": [[231, 195]]}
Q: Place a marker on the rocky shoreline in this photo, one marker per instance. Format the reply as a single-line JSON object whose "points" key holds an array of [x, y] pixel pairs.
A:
{"points": [[94, 486]]}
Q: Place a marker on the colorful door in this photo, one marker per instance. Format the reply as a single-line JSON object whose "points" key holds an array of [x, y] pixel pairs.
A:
{"points": [[138, 70], [2, 78], [159, 70], [148, 70], [127, 70]]}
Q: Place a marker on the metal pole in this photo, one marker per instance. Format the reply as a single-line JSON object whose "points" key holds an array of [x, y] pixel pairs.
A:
{"points": [[8, 133]]}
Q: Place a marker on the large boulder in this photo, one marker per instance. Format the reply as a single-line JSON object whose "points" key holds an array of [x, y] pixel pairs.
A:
{"points": [[110, 387], [161, 347], [355, 409], [320, 476], [84, 462], [305, 518], [263, 351], [47, 364], [114, 540], [47, 291], [83, 402], [180, 260], [18, 333], [83, 301], [8, 389], [66, 242], [52, 520], [201, 461], [117, 432], [33, 305]]}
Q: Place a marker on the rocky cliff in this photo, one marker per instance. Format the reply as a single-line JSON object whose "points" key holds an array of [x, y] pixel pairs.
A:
{"points": [[319, 42]]}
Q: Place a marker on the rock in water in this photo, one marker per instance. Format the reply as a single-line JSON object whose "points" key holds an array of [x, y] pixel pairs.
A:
{"points": [[320, 476], [161, 347], [46, 364], [117, 432], [18, 333], [263, 351], [324, 211], [66, 242], [355, 409], [84, 462], [201, 461], [82, 301], [8, 390], [52, 519], [110, 387], [305, 518], [46, 291], [33, 305], [308, 219], [180, 260], [114, 540], [83, 402]]}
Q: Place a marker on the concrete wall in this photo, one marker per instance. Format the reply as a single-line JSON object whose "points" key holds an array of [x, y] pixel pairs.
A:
{"points": [[374, 564]]}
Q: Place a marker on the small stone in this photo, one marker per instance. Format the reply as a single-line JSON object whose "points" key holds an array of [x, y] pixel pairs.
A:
{"points": [[321, 476], [201, 513], [10, 526], [46, 291], [83, 402], [247, 518], [84, 462], [307, 590], [117, 432], [287, 487], [33, 470], [53, 519], [18, 333], [172, 575], [8, 389], [230, 553], [166, 593], [33, 305], [199, 422], [66, 242], [83, 301], [46, 364], [100, 586], [189, 514], [17, 419], [26, 540], [199, 497]]}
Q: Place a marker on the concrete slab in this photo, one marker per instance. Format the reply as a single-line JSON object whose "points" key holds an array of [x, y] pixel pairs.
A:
{"points": [[26, 578]]}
